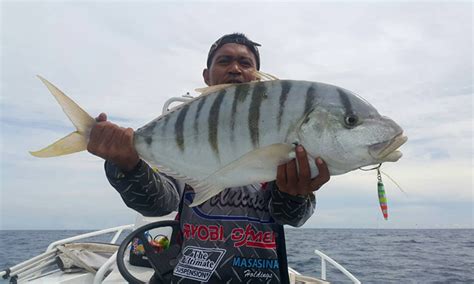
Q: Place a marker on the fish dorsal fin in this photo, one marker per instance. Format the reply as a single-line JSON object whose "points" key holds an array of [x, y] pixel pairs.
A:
{"points": [[262, 76], [212, 89]]}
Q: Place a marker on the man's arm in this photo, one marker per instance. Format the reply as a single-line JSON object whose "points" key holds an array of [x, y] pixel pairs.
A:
{"points": [[143, 189], [293, 200], [289, 209]]}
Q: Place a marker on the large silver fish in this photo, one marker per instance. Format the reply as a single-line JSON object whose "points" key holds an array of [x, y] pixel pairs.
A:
{"points": [[237, 134]]}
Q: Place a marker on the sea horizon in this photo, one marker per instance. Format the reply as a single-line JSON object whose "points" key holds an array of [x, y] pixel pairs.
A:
{"points": [[286, 228]]}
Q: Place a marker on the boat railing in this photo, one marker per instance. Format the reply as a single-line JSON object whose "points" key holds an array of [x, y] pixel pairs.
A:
{"points": [[296, 277], [104, 269], [118, 231], [325, 258], [185, 98], [32, 267]]}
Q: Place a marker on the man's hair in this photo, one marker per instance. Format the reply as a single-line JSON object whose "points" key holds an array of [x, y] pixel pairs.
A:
{"points": [[238, 38]]}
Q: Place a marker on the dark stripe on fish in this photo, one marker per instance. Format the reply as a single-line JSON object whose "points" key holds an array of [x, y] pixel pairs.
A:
{"points": [[179, 127], [148, 140], [213, 121], [309, 101], [241, 93], [345, 102], [163, 128], [258, 95], [196, 117], [148, 129], [285, 89]]}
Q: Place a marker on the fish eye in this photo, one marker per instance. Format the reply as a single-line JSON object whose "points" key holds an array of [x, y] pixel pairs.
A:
{"points": [[351, 120]]}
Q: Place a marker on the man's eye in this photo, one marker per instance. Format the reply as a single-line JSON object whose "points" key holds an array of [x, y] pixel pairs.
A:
{"points": [[246, 63], [223, 61]]}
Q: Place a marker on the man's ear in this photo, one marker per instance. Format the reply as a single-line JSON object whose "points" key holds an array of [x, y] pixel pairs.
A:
{"points": [[205, 76]]}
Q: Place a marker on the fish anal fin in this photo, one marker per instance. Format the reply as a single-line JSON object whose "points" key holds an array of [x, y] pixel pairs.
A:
{"points": [[205, 192]]}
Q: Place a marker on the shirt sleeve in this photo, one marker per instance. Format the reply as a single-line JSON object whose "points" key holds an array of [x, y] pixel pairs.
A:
{"points": [[291, 210], [144, 190]]}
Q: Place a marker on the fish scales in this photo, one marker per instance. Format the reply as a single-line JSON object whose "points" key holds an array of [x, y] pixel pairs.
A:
{"points": [[221, 127]]}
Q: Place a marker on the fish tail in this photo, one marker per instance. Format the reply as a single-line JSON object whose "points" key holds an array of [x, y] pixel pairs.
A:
{"points": [[75, 141]]}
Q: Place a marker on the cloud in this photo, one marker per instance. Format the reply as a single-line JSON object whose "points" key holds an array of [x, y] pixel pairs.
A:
{"points": [[412, 61]]}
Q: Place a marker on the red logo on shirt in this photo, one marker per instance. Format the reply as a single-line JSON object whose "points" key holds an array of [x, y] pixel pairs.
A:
{"points": [[251, 238], [203, 233], [241, 237]]}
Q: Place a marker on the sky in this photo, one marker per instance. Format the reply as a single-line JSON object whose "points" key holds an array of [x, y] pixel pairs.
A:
{"points": [[412, 61]]}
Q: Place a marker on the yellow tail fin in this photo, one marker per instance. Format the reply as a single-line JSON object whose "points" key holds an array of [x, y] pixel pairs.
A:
{"points": [[75, 141]]}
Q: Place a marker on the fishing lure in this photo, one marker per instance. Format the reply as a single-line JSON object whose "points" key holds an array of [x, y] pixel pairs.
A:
{"points": [[382, 195], [381, 189]]}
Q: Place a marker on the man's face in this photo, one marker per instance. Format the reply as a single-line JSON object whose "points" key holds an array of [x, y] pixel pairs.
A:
{"points": [[232, 63]]}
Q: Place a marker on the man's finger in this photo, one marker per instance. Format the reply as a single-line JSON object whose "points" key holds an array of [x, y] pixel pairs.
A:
{"points": [[129, 133], [304, 170], [281, 177], [96, 133], [102, 117], [108, 136], [291, 174], [323, 175]]}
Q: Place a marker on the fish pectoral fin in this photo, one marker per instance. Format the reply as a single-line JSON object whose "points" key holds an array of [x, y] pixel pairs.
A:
{"points": [[72, 143], [256, 166], [265, 158], [212, 89]]}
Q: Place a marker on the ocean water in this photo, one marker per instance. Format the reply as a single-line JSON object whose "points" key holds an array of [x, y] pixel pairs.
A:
{"points": [[386, 256], [373, 256]]}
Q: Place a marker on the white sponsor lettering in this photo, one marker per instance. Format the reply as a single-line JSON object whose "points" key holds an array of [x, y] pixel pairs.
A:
{"points": [[198, 263], [257, 274]]}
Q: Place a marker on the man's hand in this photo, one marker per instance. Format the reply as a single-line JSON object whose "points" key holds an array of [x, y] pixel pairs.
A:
{"points": [[113, 143], [289, 181]]}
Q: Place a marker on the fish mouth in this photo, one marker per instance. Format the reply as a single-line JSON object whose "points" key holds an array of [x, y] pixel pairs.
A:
{"points": [[387, 151]]}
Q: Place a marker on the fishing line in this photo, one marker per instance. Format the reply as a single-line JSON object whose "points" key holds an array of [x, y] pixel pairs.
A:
{"points": [[385, 174]]}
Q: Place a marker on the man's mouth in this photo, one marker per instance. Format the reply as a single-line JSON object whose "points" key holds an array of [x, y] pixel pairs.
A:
{"points": [[234, 81]]}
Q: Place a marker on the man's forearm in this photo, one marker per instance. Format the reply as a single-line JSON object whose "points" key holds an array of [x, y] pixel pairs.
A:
{"points": [[144, 190], [291, 210]]}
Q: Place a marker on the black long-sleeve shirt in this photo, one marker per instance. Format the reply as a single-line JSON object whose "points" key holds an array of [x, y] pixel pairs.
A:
{"points": [[230, 238]]}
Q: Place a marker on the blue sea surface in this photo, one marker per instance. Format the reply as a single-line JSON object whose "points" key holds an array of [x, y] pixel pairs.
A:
{"points": [[386, 256], [371, 255]]}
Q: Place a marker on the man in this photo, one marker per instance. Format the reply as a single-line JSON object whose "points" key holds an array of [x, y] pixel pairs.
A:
{"points": [[236, 236]]}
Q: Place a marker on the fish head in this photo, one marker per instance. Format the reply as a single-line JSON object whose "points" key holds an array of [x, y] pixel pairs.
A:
{"points": [[348, 133]]}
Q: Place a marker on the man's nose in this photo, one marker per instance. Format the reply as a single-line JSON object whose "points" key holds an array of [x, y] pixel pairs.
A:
{"points": [[235, 68]]}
